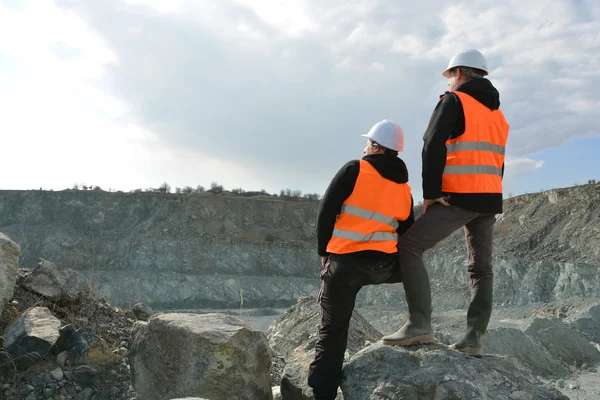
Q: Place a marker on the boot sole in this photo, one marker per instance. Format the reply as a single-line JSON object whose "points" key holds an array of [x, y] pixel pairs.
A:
{"points": [[471, 351], [424, 339]]}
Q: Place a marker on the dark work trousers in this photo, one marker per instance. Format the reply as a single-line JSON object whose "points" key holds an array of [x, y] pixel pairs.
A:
{"points": [[342, 278], [441, 221]]}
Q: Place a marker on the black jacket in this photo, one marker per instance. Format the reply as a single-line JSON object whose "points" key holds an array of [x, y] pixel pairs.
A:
{"points": [[448, 122], [342, 186]]}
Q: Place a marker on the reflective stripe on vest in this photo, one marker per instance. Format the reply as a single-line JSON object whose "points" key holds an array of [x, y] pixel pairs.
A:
{"points": [[472, 169], [474, 160], [366, 214], [369, 217], [462, 146], [359, 237]]}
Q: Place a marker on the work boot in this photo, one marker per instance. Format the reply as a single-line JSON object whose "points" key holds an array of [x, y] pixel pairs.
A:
{"points": [[418, 299], [478, 317]]}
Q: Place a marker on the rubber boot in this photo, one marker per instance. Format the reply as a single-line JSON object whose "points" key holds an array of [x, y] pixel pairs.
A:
{"points": [[478, 317], [418, 299]]}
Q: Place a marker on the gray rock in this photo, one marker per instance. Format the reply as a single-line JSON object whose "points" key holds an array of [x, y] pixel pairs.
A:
{"points": [[31, 336], [587, 321], [47, 393], [57, 374], [9, 268], [141, 311], [293, 382], [84, 347], [181, 354], [84, 376], [61, 358], [30, 396], [70, 388], [434, 371], [26, 389], [85, 394], [515, 343], [68, 374], [298, 326], [563, 343], [276, 393], [55, 284]]}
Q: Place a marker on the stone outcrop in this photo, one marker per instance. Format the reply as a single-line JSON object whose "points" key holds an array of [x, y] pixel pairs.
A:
{"points": [[9, 267], [62, 285], [587, 321], [31, 336], [141, 311], [293, 336], [435, 372], [563, 343], [211, 355]]}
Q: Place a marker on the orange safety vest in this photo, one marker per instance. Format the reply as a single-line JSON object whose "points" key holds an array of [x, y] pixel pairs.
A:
{"points": [[369, 216], [474, 159]]}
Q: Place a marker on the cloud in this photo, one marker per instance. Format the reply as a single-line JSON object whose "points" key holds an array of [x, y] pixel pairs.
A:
{"points": [[515, 168], [284, 90]]}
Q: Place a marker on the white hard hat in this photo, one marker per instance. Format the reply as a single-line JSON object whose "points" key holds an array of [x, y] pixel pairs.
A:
{"points": [[388, 134], [467, 58]]}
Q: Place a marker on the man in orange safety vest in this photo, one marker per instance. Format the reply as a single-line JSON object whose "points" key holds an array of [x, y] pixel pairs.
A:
{"points": [[367, 205], [463, 167]]}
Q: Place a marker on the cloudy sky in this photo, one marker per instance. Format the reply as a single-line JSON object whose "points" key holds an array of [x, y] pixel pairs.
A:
{"points": [[269, 94]]}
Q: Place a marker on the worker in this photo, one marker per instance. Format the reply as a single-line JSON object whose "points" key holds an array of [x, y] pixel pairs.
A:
{"points": [[463, 167], [367, 205]]}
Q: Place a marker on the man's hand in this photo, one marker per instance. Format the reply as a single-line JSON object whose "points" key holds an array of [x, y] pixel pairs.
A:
{"points": [[323, 261], [429, 202]]}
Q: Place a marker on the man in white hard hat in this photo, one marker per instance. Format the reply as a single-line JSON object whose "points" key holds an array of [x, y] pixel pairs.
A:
{"points": [[367, 205], [463, 166]]}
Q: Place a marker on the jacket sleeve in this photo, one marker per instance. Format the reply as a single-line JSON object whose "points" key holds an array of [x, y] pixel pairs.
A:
{"points": [[340, 188], [445, 123], [404, 225]]}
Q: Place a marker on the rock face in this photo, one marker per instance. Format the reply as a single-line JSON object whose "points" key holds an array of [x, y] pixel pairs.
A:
{"points": [[435, 372], [9, 267], [212, 355], [62, 285], [31, 336], [160, 249], [260, 252]]}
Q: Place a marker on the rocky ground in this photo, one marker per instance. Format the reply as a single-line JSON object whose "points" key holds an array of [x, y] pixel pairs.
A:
{"points": [[103, 372], [581, 382], [552, 349]]}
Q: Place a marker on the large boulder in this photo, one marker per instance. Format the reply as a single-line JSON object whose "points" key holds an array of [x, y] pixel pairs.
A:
{"points": [[436, 372], [9, 268], [62, 285], [299, 326], [215, 356], [563, 343], [295, 375], [515, 343], [587, 321], [293, 337], [31, 336]]}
